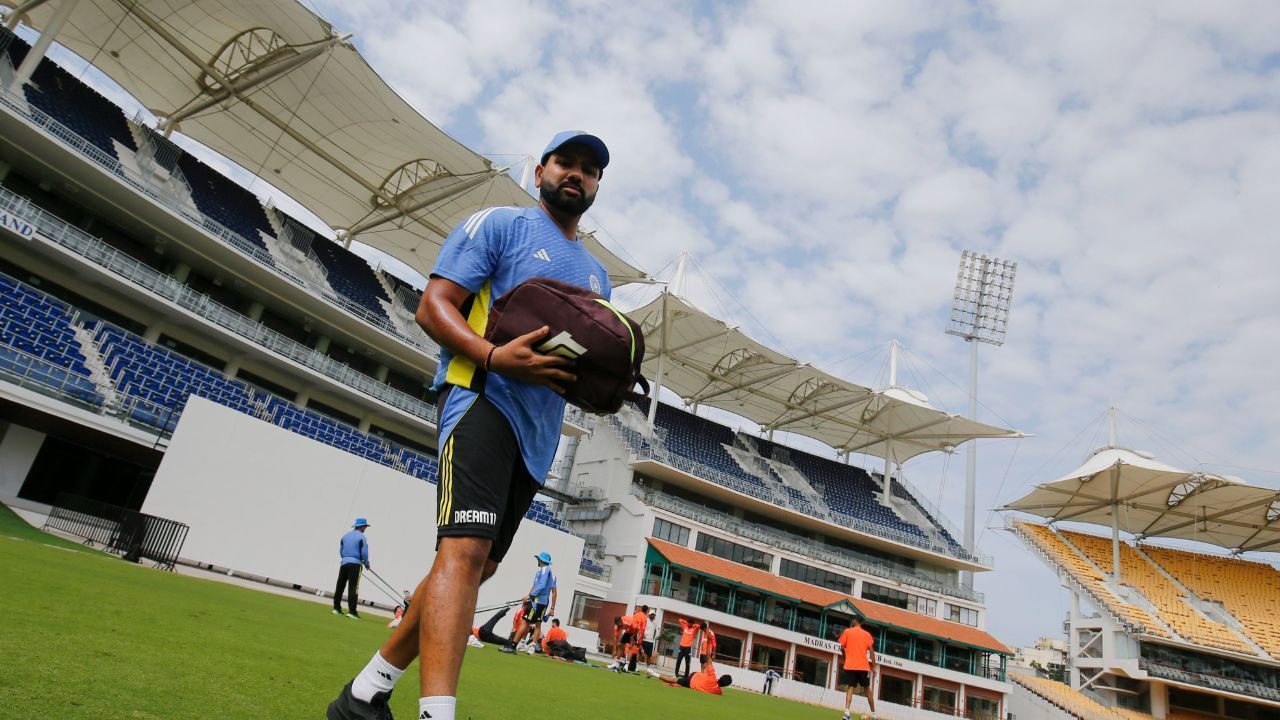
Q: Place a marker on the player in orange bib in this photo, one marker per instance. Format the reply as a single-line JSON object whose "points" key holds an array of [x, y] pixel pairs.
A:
{"points": [[639, 622], [704, 681], [857, 650], [555, 634], [688, 633]]}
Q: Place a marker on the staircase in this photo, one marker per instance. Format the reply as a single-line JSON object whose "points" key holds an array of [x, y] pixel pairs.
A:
{"points": [[909, 513], [98, 371], [792, 477], [746, 454], [291, 248]]}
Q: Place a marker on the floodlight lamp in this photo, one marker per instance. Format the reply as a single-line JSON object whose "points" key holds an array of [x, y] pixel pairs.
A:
{"points": [[982, 298]]}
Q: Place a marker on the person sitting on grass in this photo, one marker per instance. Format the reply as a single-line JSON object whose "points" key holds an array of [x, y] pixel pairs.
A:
{"points": [[555, 634], [704, 680]]}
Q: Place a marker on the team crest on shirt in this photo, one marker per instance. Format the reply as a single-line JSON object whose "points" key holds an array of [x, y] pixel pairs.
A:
{"points": [[595, 284]]}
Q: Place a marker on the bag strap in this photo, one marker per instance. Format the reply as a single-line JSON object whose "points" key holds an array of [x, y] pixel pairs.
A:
{"points": [[634, 396]]}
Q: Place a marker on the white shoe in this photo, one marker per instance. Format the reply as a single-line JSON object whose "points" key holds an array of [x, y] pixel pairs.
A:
{"points": [[474, 642], [653, 673], [530, 650], [522, 646]]}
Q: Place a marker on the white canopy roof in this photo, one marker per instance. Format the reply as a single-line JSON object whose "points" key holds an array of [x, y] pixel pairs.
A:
{"points": [[272, 87], [708, 362], [1148, 498]]}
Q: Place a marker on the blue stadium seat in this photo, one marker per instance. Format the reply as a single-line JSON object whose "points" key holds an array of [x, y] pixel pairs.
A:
{"points": [[71, 102], [37, 336]]}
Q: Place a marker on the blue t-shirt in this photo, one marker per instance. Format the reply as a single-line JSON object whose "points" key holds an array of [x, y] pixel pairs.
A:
{"points": [[543, 581], [490, 253], [353, 548]]}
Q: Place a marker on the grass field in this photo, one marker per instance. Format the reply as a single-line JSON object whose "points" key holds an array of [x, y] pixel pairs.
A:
{"points": [[87, 635]]}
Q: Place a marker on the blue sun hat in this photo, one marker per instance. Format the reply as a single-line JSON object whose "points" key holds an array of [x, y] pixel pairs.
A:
{"points": [[544, 557], [360, 522]]}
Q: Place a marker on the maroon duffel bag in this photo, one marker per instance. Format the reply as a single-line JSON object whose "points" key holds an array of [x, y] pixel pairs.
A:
{"points": [[607, 347]]}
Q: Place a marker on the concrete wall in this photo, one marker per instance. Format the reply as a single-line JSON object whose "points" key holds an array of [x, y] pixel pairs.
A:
{"points": [[263, 500], [18, 448]]}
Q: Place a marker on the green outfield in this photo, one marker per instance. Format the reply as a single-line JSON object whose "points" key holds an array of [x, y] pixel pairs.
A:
{"points": [[87, 635]]}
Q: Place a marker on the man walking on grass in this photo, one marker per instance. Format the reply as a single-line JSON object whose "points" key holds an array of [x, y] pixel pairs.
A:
{"points": [[500, 412], [353, 551], [856, 649]]}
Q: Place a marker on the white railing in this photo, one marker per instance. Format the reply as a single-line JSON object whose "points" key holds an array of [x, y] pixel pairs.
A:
{"points": [[127, 268], [112, 165], [795, 543]]}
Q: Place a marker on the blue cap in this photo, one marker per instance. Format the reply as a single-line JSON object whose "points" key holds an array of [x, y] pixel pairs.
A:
{"points": [[360, 522], [544, 557], [569, 137]]}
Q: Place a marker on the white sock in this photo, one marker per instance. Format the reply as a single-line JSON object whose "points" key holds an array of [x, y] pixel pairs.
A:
{"points": [[378, 676], [436, 707]]}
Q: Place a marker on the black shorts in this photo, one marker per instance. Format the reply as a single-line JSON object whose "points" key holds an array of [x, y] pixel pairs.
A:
{"points": [[683, 681], [484, 489], [536, 615], [856, 678], [628, 638], [647, 647]]}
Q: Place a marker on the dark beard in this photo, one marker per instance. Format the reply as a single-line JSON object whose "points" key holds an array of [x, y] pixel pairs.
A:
{"points": [[556, 198]]}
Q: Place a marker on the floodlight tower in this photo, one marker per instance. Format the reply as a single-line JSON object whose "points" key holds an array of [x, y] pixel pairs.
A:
{"points": [[979, 313]]}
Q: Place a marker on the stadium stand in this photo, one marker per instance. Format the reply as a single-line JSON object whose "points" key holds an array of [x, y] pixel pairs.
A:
{"points": [[1248, 590], [699, 446], [1072, 702], [1170, 604], [1088, 576], [163, 380], [226, 202], [56, 92], [350, 276], [226, 209], [38, 340]]}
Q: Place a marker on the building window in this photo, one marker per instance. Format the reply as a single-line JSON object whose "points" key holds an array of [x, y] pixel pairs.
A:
{"points": [[671, 532], [939, 700], [897, 690], [815, 576], [733, 551], [900, 599], [811, 670], [981, 708], [963, 615], [764, 657], [585, 611], [728, 649]]}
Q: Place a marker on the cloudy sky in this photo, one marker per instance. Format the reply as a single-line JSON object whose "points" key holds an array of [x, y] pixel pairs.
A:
{"points": [[825, 164]]}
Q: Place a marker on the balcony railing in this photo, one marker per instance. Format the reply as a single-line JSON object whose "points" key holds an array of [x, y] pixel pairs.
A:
{"points": [[126, 175], [794, 543], [127, 268]]}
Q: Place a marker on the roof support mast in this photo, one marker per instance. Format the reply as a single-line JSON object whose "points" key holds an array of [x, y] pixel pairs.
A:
{"points": [[888, 454], [41, 46], [677, 286], [18, 13], [1115, 504]]}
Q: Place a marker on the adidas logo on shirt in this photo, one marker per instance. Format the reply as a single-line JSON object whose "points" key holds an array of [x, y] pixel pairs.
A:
{"points": [[542, 255], [425, 715]]}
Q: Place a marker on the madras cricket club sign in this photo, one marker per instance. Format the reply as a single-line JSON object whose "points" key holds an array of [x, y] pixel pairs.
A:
{"points": [[813, 642], [17, 225]]}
